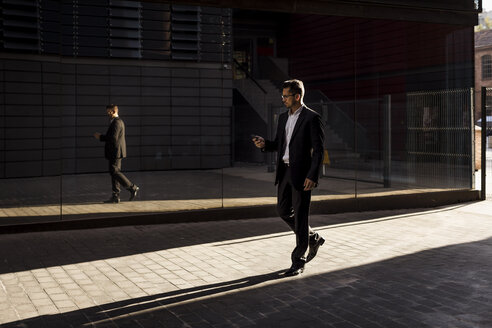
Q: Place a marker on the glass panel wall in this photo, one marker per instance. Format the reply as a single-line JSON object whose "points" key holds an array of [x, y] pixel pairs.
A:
{"points": [[423, 122], [192, 85], [370, 80], [30, 155]]}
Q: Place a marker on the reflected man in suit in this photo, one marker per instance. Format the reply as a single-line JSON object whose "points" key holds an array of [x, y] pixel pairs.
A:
{"points": [[115, 151], [299, 147]]}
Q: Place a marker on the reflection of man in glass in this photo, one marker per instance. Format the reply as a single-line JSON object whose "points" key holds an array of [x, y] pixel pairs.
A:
{"points": [[115, 151], [299, 145]]}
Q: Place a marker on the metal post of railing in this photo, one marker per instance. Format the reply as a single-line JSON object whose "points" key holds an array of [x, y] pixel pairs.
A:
{"points": [[472, 135], [324, 117], [270, 132], [233, 134], [484, 141], [387, 140]]}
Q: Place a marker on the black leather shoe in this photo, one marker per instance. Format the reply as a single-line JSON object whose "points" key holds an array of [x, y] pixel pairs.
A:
{"points": [[313, 249], [294, 270], [133, 193], [113, 199]]}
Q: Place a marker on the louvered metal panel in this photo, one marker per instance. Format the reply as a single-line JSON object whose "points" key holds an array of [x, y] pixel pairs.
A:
{"points": [[156, 31], [91, 31], [125, 34], [159, 25], [20, 25], [91, 28], [106, 28], [91, 41], [215, 43], [125, 53], [125, 29], [99, 21], [158, 36], [124, 23], [185, 27], [126, 13], [50, 23], [185, 36], [162, 45], [1, 26], [98, 10], [182, 55], [185, 32], [186, 46], [68, 28]]}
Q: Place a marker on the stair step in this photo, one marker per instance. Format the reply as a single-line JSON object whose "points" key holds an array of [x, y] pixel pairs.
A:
{"points": [[342, 154], [338, 150]]}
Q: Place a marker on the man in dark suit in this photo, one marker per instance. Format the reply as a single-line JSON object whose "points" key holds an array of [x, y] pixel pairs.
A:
{"points": [[115, 151], [299, 147]]}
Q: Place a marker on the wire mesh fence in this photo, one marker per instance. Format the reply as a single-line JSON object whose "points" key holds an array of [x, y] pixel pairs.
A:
{"points": [[440, 138]]}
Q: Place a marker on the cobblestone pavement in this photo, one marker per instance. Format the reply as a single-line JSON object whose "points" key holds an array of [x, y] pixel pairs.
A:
{"points": [[392, 269]]}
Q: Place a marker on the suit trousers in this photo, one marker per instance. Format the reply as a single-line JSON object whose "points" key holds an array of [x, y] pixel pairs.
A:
{"points": [[117, 177], [293, 208]]}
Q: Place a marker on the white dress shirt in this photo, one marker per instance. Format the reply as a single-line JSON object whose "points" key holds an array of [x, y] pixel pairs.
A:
{"points": [[289, 129]]}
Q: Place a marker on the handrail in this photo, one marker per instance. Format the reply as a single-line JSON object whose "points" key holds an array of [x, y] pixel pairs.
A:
{"points": [[346, 117], [240, 66], [270, 70], [341, 112]]}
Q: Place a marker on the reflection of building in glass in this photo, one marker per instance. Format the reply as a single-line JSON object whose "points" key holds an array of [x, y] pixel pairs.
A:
{"points": [[483, 77], [194, 82], [167, 67], [483, 69]]}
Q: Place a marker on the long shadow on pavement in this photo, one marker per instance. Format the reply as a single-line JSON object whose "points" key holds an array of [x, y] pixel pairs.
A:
{"points": [[442, 287]]}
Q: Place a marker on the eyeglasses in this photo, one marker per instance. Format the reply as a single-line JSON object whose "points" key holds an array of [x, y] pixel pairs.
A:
{"points": [[286, 96]]}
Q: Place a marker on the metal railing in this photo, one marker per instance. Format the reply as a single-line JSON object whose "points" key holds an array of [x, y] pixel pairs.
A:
{"points": [[440, 129], [248, 75], [353, 134]]}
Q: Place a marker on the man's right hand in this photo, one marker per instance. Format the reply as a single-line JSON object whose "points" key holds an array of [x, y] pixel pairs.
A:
{"points": [[259, 141], [97, 135]]}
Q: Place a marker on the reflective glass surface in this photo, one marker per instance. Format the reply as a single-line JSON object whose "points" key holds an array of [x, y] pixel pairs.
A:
{"points": [[394, 97]]}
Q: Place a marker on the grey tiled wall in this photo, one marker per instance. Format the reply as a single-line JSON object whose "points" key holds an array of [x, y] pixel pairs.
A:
{"points": [[177, 116]]}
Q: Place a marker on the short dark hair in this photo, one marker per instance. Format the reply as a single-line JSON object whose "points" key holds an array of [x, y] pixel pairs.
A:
{"points": [[295, 86], [112, 107]]}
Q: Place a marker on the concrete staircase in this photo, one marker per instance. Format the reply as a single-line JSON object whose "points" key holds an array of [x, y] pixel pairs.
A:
{"points": [[341, 155], [263, 94], [260, 96]]}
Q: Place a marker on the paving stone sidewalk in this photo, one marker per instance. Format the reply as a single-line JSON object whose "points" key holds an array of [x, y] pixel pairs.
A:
{"points": [[391, 269]]}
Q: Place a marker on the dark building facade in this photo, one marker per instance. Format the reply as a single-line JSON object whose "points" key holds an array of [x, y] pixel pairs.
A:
{"points": [[166, 66], [483, 68]]}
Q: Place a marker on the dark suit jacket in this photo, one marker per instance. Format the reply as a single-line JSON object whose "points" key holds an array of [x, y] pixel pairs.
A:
{"points": [[305, 148], [115, 144]]}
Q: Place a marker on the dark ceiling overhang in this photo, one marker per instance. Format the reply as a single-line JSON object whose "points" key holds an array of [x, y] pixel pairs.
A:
{"points": [[459, 12]]}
